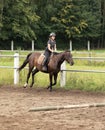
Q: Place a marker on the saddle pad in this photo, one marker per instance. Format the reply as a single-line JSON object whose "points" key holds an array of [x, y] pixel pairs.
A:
{"points": [[41, 58]]}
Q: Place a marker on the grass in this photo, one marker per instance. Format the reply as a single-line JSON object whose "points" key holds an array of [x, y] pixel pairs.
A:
{"points": [[6, 76], [86, 81], [74, 80]]}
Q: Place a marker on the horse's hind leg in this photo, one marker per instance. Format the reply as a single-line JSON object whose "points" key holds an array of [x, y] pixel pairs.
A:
{"points": [[28, 76], [33, 73]]}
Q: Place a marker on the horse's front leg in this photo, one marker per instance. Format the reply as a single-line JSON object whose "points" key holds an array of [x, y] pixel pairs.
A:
{"points": [[50, 78], [33, 73], [55, 79]]}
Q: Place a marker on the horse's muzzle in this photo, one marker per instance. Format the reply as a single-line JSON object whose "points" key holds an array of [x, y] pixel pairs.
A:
{"points": [[72, 63]]}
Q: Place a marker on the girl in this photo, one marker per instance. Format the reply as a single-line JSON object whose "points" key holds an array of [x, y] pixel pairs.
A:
{"points": [[51, 47]]}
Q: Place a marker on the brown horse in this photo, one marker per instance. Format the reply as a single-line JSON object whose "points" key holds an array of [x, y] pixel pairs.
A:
{"points": [[54, 65]]}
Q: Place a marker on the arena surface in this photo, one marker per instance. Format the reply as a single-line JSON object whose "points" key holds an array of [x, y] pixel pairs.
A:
{"points": [[15, 103]]}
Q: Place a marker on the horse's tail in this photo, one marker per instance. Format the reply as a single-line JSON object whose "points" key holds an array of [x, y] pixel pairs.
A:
{"points": [[26, 61]]}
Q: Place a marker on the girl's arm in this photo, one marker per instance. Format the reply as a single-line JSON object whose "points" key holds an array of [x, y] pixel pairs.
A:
{"points": [[50, 48]]}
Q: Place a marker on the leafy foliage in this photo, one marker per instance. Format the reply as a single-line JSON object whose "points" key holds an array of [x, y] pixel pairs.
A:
{"points": [[18, 20], [69, 18], [25, 20]]}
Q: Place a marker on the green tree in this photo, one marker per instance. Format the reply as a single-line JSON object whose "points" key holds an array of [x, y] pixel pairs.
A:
{"points": [[45, 10], [80, 20], [91, 12], [69, 18], [18, 19]]}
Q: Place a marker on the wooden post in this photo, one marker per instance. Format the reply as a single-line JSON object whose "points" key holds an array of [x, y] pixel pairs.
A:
{"points": [[32, 45], [16, 66], [49, 108], [12, 45], [88, 45], [70, 45], [63, 75]]}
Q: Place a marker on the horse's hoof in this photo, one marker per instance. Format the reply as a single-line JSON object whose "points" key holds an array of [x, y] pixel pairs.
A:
{"points": [[31, 86], [50, 90], [48, 87], [25, 85]]}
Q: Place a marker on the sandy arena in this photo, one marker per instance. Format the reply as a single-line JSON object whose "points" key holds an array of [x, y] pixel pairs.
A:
{"points": [[15, 103]]}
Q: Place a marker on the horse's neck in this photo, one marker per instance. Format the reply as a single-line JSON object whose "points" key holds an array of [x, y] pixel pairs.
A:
{"points": [[61, 59]]}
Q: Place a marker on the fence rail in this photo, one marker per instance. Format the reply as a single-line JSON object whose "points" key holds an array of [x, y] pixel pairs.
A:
{"points": [[16, 57], [89, 58], [22, 56], [7, 67], [89, 71]]}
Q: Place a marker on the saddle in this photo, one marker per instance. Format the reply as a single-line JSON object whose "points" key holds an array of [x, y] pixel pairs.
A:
{"points": [[41, 59]]}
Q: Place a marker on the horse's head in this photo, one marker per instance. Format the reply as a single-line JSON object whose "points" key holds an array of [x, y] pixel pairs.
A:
{"points": [[68, 57]]}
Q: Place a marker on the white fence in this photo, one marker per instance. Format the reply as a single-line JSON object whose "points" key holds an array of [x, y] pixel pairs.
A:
{"points": [[15, 67], [32, 45], [63, 68]]}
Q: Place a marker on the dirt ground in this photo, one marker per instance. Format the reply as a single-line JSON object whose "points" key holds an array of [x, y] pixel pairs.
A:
{"points": [[15, 103]]}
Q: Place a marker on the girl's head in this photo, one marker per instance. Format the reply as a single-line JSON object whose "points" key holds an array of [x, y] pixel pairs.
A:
{"points": [[52, 35]]}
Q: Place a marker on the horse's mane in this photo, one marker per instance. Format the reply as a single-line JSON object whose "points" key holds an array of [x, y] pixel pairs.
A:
{"points": [[55, 53]]}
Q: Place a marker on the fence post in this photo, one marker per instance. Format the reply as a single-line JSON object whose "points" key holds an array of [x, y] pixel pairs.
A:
{"points": [[88, 45], [32, 45], [70, 45], [16, 66], [63, 75], [12, 45]]}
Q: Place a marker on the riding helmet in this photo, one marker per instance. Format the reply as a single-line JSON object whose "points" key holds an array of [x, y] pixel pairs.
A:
{"points": [[52, 34]]}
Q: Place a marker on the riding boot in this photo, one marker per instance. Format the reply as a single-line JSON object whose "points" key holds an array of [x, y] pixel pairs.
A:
{"points": [[44, 68]]}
